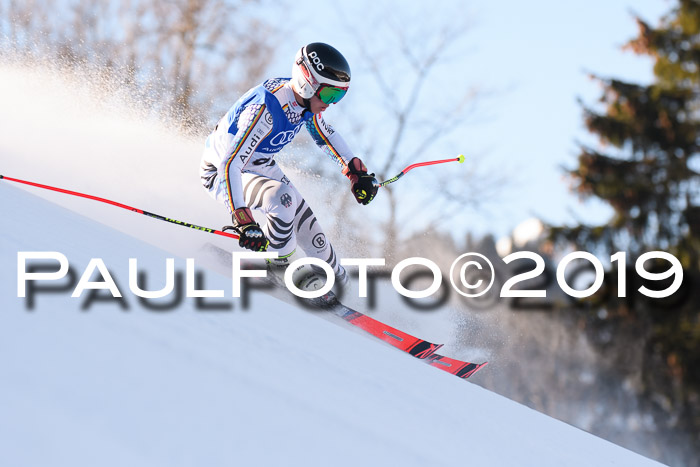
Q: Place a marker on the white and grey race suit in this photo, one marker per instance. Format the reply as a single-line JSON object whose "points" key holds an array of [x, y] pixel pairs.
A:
{"points": [[238, 167]]}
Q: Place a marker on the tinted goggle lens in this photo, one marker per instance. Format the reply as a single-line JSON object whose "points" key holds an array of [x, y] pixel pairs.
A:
{"points": [[331, 94]]}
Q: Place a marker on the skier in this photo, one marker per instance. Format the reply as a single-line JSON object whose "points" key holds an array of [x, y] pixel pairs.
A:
{"points": [[238, 167]]}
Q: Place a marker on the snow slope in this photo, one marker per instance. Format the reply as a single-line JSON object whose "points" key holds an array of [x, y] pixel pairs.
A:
{"points": [[273, 385], [107, 382]]}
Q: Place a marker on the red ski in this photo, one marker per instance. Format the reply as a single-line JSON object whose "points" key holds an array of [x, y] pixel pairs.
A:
{"points": [[415, 346], [456, 367]]}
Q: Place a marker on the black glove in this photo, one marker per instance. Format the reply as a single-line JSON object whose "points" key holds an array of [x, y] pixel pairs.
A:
{"points": [[250, 234], [364, 185]]}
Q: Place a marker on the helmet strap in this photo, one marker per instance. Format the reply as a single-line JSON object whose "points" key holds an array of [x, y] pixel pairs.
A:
{"points": [[307, 104]]}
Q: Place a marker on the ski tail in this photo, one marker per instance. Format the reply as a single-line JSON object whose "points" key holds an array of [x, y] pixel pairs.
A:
{"points": [[453, 366]]}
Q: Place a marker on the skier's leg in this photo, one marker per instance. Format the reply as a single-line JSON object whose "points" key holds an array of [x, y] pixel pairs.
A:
{"points": [[272, 194], [312, 239], [290, 221]]}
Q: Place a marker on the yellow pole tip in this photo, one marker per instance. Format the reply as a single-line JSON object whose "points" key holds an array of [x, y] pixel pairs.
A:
{"points": [[461, 158]]}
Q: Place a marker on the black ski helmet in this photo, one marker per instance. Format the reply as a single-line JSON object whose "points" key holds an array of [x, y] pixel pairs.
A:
{"points": [[316, 64]]}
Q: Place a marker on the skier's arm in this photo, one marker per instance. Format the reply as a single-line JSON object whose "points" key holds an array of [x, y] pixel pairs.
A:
{"points": [[254, 124], [329, 141], [362, 184]]}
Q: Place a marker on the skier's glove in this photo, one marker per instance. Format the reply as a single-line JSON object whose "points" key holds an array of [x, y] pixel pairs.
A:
{"points": [[250, 234], [363, 184]]}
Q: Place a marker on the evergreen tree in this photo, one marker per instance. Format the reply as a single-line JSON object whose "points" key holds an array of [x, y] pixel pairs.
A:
{"points": [[649, 174], [648, 171]]}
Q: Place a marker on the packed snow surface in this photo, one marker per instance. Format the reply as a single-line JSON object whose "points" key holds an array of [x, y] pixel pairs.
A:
{"points": [[97, 381]]}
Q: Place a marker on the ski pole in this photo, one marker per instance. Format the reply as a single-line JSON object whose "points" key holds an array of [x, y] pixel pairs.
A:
{"points": [[459, 159], [123, 206]]}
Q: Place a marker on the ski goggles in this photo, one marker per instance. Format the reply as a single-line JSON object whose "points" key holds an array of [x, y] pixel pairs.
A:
{"points": [[330, 94]]}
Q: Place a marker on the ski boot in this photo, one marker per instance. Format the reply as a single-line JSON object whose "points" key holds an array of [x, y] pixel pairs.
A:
{"points": [[306, 277]]}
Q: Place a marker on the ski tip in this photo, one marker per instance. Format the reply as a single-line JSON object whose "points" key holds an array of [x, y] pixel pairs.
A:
{"points": [[1, 177], [460, 158]]}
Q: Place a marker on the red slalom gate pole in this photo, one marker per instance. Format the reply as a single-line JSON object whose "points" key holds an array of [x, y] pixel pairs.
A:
{"points": [[459, 159], [123, 206]]}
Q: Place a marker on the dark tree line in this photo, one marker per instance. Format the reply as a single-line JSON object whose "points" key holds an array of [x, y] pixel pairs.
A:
{"points": [[647, 169]]}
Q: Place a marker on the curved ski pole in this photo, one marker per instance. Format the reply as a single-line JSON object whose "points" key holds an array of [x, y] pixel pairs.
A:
{"points": [[123, 206], [459, 159]]}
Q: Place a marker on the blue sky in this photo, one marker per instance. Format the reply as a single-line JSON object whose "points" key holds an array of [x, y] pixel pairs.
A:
{"points": [[531, 58], [534, 59], [546, 53]]}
